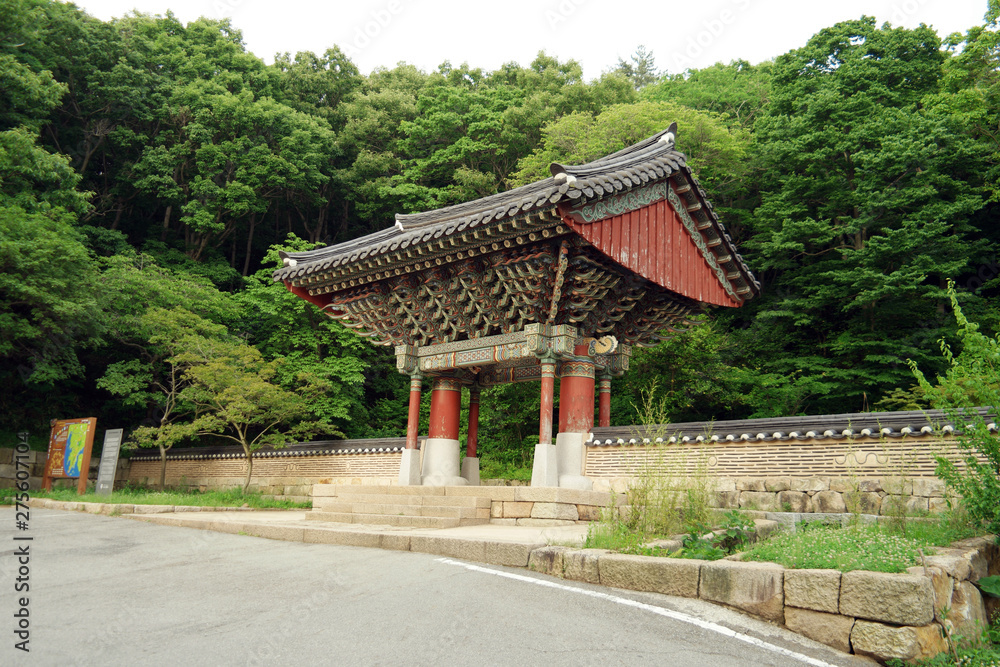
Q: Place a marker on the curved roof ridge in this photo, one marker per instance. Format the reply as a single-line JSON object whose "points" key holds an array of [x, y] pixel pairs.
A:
{"points": [[659, 143], [854, 421], [438, 215]]}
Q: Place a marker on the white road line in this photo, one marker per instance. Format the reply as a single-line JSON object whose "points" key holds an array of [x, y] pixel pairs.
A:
{"points": [[669, 613]]}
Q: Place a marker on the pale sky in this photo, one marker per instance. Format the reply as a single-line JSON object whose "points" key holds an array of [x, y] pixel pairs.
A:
{"points": [[380, 33]]}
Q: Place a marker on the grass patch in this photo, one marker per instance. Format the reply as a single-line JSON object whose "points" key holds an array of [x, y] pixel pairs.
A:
{"points": [[141, 496], [492, 469], [617, 535], [874, 547]]}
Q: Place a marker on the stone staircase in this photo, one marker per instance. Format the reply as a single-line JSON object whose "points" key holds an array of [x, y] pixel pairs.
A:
{"points": [[405, 506]]}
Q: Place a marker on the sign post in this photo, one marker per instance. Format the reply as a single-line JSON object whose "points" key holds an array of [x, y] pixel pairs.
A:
{"points": [[70, 443], [109, 461]]}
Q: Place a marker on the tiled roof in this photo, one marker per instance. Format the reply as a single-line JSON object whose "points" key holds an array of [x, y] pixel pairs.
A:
{"points": [[912, 424], [319, 448], [649, 160]]}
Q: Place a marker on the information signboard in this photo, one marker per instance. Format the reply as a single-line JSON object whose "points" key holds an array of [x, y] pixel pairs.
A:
{"points": [[109, 461], [70, 443]]}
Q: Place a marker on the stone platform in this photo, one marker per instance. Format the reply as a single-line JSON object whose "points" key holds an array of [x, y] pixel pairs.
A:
{"points": [[454, 506]]}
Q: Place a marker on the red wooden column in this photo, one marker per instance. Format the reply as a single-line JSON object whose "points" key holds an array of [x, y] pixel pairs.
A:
{"points": [[604, 401], [546, 399], [413, 417], [576, 393], [473, 438], [446, 406], [576, 417], [440, 461]]}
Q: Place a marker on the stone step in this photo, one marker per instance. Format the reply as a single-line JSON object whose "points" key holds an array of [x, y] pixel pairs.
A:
{"points": [[344, 489], [387, 499], [394, 520], [403, 510]]}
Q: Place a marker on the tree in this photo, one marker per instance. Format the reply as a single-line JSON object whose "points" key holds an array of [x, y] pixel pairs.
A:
{"points": [[717, 153], [640, 69], [48, 301], [153, 313], [236, 396], [866, 207], [161, 378], [971, 379], [286, 328], [28, 92], [738, 92]]}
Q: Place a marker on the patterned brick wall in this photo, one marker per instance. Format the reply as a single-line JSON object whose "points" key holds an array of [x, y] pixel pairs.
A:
{"points": [[870, 457], [271, 472]]}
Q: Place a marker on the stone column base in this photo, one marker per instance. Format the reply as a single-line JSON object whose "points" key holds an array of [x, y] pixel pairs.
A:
{"points": [[470, 470], [544, 471], [441, 463], [409, 468], [570, 451]]}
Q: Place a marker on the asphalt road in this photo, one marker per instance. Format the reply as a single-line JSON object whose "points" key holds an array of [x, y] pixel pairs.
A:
{"points": [[113, 591]]}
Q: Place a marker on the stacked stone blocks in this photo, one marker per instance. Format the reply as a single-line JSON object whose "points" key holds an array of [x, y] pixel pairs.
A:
{"points": [[874, 614], [825, 495]]}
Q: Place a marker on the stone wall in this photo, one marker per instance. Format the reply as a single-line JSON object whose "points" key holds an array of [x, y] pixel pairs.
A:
{"points": [[868, 613], [868, 495], [36, 468], [291, 476], [866, 475], [284, 476], [848, 457]]}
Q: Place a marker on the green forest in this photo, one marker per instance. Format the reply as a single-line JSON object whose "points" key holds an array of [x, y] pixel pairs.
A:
{"points": [[150, 172]]}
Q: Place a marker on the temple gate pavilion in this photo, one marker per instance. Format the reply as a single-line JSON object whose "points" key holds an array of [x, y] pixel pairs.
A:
{"points": [[559, 277]]}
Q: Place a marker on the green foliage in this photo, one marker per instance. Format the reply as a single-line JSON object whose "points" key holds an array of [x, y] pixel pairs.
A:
{"points": [[860, 547], [698, 543], [27, 92], [235, 395], [738, 92], [971, 379], [856, 174], [48, 300], [718, 153], [735, 532], [865, 211], [990, 585], [508, 430], [138, 495], [612, 535], [283, 326], [640, 68]]}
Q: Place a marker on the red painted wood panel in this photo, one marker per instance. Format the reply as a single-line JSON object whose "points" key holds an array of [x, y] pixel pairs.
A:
{"points": [[652, 242]]}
